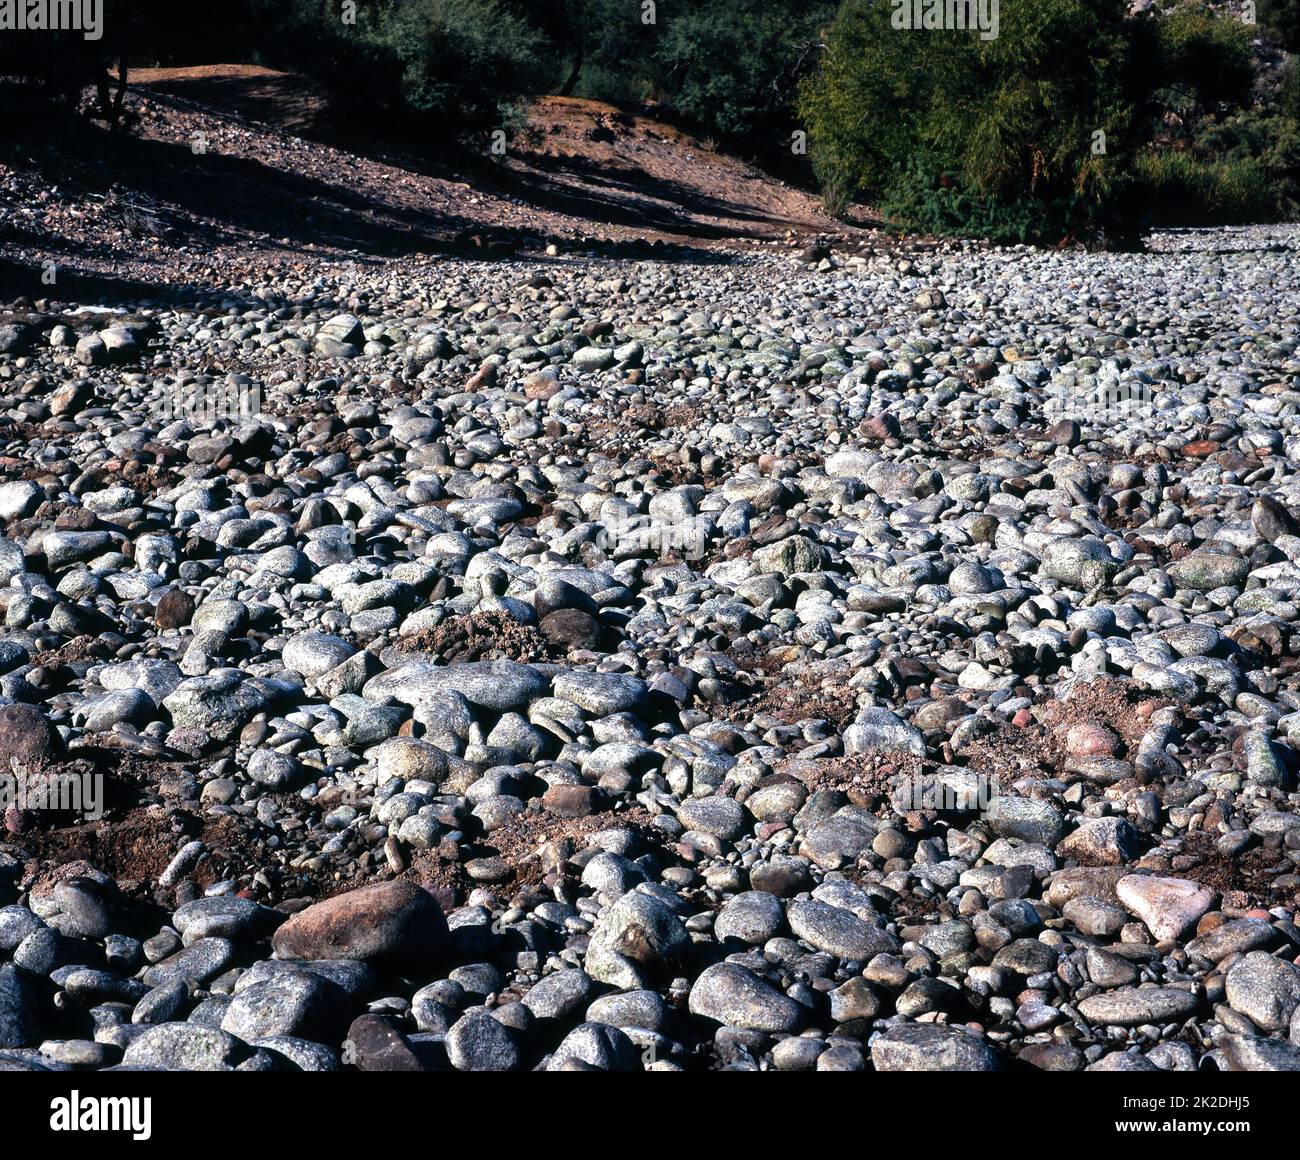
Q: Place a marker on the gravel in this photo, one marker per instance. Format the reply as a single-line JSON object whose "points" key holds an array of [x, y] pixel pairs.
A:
{"points": [[781, 663]]}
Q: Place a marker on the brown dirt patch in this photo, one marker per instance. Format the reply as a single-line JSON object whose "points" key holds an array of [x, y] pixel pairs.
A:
{"points": [[789, 692], [124, 782], [795, 701], [133, 850], [1119, 705], [639, 418], [867, 778], [1038, 750], [137, 836], [247, 90], [243, 170], [1244, 881], [481, 636], [1010, 753], [534, 845], [79, 648], [444, 877], [632, 167], [522, 841]]}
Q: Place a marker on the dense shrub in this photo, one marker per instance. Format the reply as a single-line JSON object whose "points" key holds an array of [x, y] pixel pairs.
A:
{"points": [[1076, 120], [1281, 18], [1214, 152], [60, 64], [447, 64], [949, 131], [1180, 189], [1203, 55], [604, 48], [732, 67], [945, 132], [727, 66]]}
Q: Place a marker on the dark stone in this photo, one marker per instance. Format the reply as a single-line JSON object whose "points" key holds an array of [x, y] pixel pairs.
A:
{"points": [[570, 628], [573, 801], [175, 609], [27, 735], [374, 1044]]}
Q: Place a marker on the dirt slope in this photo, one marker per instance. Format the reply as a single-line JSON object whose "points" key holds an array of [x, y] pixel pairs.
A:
{"points": [[242, 167]]}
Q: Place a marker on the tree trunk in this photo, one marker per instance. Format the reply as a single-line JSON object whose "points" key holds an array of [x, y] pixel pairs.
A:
{"points": [[101, 90], [119, 98], [575, 71]]}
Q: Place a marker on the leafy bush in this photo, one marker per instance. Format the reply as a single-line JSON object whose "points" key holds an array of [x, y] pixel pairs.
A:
{"points": [[951, 131], [449, 65], [1214, 154], [942, 207], [606, 46], [1184, 190], [1281, 18], [462, 58], [1077, 120], [1204, 55], [733, 67], [58, 65], [946, 132], [1256, 153]]}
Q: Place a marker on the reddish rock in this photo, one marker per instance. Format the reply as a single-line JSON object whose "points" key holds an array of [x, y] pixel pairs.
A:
{"points": [[485, 376], [540, 386], [374, 1044], [1168, 906], [1091, 739], [175, 609], [75, 520], [1066, 433], [395, 924], [1209, 921], [573, 801], [70, 399], [880, 427]]}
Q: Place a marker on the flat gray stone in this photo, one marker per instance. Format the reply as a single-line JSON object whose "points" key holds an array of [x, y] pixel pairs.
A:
{"points": [[838, 932], [601, 693], [1169, 907], [183, 1047], [932, 1047], [734, 996], [498, 685], [752, 917], [1131, 1008]]}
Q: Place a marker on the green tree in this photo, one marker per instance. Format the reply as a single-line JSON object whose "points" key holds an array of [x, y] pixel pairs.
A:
{"points": [[1024, 135], [1281, 18], [450, 65], [734, 67], [1203, 55]]}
